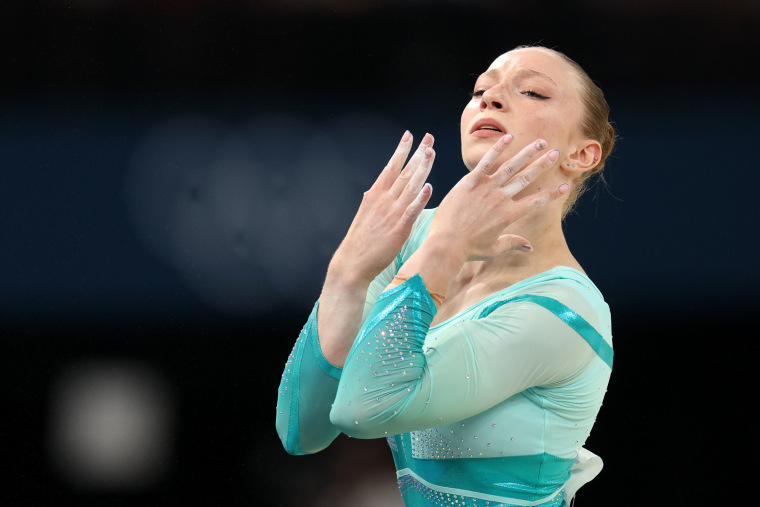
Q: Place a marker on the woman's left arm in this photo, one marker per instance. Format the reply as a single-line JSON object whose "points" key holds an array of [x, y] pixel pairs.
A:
{"points": [[390, 384], [386, 372]]}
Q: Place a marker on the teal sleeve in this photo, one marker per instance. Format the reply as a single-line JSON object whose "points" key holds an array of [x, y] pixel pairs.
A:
{"points": [[386, 362], [394, 381], [309, 383], [305, 395]]}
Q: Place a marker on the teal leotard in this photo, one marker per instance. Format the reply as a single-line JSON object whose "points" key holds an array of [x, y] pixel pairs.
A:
{"points": [[490, 407]]}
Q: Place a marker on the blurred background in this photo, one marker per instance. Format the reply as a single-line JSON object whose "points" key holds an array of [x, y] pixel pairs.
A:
{"points": [[175, 174]]}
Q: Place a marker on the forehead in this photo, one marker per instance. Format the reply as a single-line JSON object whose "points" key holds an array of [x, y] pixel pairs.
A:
{"points": [[535, 59]]}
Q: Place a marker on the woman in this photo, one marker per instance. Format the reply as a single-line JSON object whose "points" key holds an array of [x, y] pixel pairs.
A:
{"points": [[469, 335]]}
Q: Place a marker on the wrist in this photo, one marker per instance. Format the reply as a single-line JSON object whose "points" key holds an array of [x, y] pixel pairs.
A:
{"points": [[436, 262], [347, 275]]}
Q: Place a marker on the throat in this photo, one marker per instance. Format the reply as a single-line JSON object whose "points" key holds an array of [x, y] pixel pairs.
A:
{"points": [[464, 292]]}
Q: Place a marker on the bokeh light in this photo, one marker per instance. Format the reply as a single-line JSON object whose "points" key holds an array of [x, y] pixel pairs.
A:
{"points": [[111, 425]]}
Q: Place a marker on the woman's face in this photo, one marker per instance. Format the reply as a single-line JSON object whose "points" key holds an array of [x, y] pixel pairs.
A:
{"points": [[530, 93]]}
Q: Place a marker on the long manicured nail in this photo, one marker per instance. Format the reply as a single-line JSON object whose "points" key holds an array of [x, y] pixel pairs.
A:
{"points": [[553, 155], [526, 248], [563, 188], [407, 136], [540, 144], [427, 140], [428, 153]]}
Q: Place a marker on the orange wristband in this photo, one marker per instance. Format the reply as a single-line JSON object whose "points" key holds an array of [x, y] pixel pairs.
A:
{"points": [[399, 279], [436, 297]]}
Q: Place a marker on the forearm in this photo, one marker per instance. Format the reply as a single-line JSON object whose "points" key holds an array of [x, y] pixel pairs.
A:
{"points": [[381, 226], [339, 317]]}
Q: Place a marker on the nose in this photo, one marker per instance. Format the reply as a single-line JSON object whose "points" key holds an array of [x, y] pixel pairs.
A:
{"points": [[492, 98]]}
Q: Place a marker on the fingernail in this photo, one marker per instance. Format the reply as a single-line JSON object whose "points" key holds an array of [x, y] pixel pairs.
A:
{"points": [[427, 140], [540, 144], [563, 188], [407, 136], [427, 188], [428, 153], [526, 248], [554, 155], [505, 140]]}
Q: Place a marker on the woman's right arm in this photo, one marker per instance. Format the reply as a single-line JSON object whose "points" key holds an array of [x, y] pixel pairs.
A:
{"points": [[310, 382], [381, 226], [379, 229]]}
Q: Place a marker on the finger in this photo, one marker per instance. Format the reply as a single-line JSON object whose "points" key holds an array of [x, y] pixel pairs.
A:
{"points": [[419, 177], [485, 166], [515, 165], [415, 208], [525, 177], [391, 171], [411, 167], [507, 242], [541, 199], [427, 142]]}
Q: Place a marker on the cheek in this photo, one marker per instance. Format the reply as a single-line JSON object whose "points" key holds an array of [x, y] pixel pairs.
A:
{"points": [[549, 127], [468, 113]]}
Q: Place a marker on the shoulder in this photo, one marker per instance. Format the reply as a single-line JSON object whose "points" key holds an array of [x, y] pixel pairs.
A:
{"points": [[560, 290], [553, 310]]}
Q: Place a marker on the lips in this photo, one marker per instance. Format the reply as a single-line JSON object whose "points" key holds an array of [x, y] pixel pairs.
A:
{"points": [[487, 127]]}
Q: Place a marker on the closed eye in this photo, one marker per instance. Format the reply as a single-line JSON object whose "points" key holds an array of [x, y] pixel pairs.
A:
{"points": [[534, 95], [477, 93]]}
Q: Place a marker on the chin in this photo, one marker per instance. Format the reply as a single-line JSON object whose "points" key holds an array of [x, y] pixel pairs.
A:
{"points": [[472, 156], [476, 149], [469, 164]]}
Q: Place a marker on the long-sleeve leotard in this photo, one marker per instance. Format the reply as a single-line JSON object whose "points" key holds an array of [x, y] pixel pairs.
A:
{"points": [[518, 377]]}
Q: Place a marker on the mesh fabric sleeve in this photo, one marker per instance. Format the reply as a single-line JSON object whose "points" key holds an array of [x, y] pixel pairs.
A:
{"points": [[306, 392], [309, 383], [389, 385]]}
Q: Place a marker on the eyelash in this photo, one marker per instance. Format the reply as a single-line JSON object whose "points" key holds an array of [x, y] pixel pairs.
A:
{"points": [[528, 93], [534, 95]]}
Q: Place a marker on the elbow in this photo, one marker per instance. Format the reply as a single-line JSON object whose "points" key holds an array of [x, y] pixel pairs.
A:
{"points": [[289, 439], [291, 445], [360, 415], [355, 423], [299, 443], [292, 449]]}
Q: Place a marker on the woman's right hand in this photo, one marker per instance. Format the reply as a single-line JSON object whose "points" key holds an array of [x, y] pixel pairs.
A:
{"points": [[386, 214]]}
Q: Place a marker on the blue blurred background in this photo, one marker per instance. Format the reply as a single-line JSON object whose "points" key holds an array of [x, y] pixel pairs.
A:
{"points": [[174, 176]]}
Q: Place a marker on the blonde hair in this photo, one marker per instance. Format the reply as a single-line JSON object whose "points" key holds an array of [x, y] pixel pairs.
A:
{"points": [[594, 125]]}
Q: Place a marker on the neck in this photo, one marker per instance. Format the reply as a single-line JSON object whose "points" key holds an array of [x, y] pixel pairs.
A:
{"points": [[550, 249]]}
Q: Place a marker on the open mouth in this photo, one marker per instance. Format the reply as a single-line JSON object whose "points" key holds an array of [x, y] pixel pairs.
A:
{"points": [[488, 128]]}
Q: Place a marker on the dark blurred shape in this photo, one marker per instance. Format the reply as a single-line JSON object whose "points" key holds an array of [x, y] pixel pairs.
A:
{"points": [[249, 216], [320, 45]]}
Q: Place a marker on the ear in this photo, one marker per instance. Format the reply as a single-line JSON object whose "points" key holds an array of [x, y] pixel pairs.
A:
{"points": [[584, 158]]}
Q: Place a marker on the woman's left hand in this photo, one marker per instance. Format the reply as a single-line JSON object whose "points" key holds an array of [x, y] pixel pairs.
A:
{"points": [[473, 215]]}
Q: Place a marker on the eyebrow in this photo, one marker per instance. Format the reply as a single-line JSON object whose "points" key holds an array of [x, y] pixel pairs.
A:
{"points": [[521, 73]]}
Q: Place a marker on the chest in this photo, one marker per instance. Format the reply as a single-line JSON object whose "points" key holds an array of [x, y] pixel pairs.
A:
{"points": [[459, 301]]}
